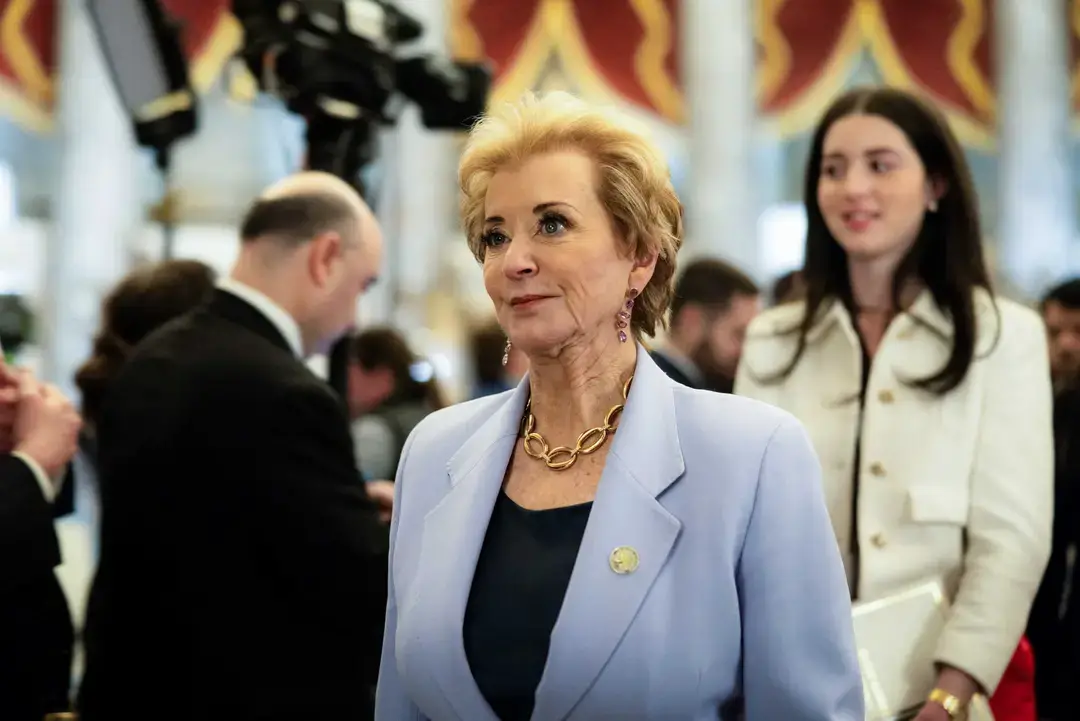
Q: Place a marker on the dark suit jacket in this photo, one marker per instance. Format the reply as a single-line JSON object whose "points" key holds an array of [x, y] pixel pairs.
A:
{"points": [[35, 625], [1056, 640], [243, 568], [672, 370]]}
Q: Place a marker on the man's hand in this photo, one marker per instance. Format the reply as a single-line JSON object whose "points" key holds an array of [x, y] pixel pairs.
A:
{"points": [[382, 493], [46, 425]]}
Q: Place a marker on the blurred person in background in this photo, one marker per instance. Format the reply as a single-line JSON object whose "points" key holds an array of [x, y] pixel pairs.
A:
{"points": [[390, 390], [713, 305], [1061, 313], [144, 301], [39, 430], [1054, 624], [927, 398], [602, 542], [497, 364], [788, 288], [242, 569]]}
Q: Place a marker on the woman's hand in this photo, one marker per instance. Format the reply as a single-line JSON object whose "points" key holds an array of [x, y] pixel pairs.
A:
{"points": [[952, 681], [933, 712]]}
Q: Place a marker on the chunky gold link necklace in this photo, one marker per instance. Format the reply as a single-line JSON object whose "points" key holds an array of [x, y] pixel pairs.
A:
{"points": [[562, 457]]}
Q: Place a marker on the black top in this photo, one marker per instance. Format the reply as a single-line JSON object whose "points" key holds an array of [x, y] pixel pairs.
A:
{"points": [[673, 371], [867, 360], [517, 592], [1054, 625], [242, 568]]}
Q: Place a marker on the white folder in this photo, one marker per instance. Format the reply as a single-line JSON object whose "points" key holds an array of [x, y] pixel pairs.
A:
{"points": [[896, 638]]}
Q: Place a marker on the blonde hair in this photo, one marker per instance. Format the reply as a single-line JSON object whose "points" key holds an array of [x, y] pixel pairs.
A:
{"points": [[634, 182]]}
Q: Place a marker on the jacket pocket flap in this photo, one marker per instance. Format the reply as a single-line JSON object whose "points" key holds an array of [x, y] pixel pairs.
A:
{"points": [[938, 504]]}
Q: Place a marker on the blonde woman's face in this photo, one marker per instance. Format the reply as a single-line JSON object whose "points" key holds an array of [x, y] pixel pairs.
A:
{"points": [[553, 265]]}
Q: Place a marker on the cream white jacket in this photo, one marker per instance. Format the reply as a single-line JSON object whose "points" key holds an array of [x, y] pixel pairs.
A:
{"points": [[957, 488]]}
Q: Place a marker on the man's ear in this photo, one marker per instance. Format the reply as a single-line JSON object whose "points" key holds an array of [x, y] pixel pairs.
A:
{"points": [[324, 252]]}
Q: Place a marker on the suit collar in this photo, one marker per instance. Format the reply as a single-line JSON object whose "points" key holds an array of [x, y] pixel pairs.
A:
{"points": [[233, 308], [285, 324], [645, 458], [924, 310]]}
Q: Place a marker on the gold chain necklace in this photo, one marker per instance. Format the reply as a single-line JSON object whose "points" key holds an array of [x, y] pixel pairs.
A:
{"points": [[562, 457]]}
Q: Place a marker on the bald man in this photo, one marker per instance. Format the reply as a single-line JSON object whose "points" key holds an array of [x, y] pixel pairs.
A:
{"points": [[243, 566]]}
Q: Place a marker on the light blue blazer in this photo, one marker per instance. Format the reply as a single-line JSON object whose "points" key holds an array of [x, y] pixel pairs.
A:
{"points": [[739, 592]]}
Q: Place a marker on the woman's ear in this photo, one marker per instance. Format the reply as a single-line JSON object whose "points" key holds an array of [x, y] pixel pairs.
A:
{"points": [[936, 188], [642, 271]]}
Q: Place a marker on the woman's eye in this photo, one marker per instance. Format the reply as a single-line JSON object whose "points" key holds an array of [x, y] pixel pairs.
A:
{"points": [[493, 239], [552, 225], [879, 166], [830, 171]]}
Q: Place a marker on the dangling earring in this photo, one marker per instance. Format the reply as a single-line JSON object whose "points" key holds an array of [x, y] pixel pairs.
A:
{"points": [[622, 318], [932, 207], [506, 353]]}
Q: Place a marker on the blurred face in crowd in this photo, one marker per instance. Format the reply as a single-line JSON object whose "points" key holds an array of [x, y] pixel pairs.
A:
{"points": [[1063, 331], [728, 331], [873, 190], [714, 339], [368, 388], [554, 266]]}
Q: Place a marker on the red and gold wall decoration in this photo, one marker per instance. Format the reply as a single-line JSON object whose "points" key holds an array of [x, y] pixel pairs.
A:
{"points": [[806, 48], [27, 61], [625, 49]]}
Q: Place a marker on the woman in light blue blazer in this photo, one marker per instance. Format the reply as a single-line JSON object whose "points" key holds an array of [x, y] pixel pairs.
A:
{"points": [[600, 542]]}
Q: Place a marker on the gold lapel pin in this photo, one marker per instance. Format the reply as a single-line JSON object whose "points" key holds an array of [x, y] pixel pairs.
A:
{"points": [[623, 560]]}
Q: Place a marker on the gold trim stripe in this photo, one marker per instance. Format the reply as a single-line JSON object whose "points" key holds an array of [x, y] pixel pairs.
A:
{"points": [[960, 57], [526, 65], [895, 72], [465, 43], [776, 60], [21, 54], [805, 111], [225, 39], [26, 114], [656, 43]]}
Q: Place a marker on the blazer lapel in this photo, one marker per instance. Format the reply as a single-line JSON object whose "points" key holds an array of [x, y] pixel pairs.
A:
{"points": [[600, 604], [453, 535]]}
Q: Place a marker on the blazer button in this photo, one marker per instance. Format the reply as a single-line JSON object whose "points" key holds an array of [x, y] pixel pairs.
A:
{"points": [[877, 469], [886, 396], [879, 540]]}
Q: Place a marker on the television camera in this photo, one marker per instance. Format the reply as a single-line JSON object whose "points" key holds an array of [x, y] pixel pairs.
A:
{"points": [[337, 63]]}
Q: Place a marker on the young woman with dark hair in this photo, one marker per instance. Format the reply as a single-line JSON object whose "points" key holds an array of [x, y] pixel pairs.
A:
{"points": [[927, 398]]}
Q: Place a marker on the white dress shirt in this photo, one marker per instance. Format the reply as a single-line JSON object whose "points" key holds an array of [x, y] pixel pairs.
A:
{"points": [[282, 320]]}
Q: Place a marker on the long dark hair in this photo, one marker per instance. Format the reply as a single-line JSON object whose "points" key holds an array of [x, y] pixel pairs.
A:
{"points": [[386, 348], [947, 254], [141, 303]]}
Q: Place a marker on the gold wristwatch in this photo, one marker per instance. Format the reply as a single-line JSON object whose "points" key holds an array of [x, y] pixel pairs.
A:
{"points": [[947, 701]]}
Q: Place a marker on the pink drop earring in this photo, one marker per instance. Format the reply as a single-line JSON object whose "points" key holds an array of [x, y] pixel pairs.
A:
{"points": [[506, 353], [622, 318]]}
